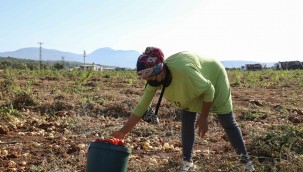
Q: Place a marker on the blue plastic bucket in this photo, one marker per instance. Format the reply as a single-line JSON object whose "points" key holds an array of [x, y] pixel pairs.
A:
{"points": [[105, 157]]}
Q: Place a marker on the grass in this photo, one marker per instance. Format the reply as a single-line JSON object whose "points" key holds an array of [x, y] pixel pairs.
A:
{"points": [[265, 78]]}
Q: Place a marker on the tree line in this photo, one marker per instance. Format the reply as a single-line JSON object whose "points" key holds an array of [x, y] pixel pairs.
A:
{"points": [[27, 64]]}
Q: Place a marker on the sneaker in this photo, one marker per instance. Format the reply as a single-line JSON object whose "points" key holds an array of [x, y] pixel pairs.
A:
{"points": [[187, 166], [249, 167]]}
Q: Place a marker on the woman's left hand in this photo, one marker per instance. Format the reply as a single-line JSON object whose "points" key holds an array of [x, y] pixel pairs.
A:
{"points": [[119, 135], [202, 126]]}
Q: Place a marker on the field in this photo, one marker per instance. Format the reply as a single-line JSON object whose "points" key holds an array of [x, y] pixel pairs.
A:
{"points": [[48, 118]]}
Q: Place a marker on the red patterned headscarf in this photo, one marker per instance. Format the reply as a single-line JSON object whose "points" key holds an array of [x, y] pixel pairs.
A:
{"points": [[150, 63]]}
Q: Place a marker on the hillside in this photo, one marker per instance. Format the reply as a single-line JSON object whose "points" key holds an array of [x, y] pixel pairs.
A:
{"points": [[103, 56]]}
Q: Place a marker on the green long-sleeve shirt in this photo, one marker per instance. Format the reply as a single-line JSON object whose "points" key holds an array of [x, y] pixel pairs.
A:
{"points": [[194, 79]]}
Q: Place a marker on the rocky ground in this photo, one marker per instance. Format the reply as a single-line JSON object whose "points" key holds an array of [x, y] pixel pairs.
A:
{"points": [[47, 122]]}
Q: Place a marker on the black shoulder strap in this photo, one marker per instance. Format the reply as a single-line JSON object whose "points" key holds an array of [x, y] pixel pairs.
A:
{"points": [[159, 101], [163, 89], [165, 84]]}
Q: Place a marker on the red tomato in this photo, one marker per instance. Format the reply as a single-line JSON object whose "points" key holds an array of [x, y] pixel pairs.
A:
{"points": [[121, 142], [113, 141]]}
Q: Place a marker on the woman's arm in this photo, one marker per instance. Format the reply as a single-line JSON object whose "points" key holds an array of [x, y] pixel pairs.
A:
{"points": [[128, 126]]}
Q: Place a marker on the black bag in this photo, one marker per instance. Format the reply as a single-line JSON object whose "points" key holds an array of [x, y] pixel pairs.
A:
{"points": [[150, 116]]}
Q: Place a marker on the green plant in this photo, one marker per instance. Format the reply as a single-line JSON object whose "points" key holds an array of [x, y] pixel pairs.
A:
{"points": [[8, 113], [252, 114], [278, 137], [6, 85], [37, 168], [22, 99], [85, 75], [130, 81]]}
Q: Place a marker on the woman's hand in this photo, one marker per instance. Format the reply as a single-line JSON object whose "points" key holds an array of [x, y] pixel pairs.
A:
{"points": [[118, 134], [202, 122], [202, 126]]}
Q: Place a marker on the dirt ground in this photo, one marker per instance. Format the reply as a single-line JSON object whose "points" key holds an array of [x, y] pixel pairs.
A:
{"points": [[53, 120]]}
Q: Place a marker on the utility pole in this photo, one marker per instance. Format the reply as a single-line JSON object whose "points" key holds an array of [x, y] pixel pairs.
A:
{"points": [[84, 55], [40, 55], [63, 62]]}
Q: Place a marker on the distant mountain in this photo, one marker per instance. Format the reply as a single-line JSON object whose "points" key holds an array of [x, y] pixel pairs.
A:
{"points": [[108, 56], [103, 56], [47, 54]]}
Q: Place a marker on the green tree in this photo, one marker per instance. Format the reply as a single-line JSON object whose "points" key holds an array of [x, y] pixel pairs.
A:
{"points": [[58, 66], [5, 64]]}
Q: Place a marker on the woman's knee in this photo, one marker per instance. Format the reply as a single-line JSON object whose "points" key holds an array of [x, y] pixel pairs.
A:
{"points": [[227, 121]]}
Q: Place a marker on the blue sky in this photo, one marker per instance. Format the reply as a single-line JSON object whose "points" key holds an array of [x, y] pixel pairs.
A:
{"points": [[259, 30]]}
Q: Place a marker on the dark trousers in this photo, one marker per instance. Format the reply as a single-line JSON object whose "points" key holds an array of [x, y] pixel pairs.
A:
{"points": [[229, 124]]}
